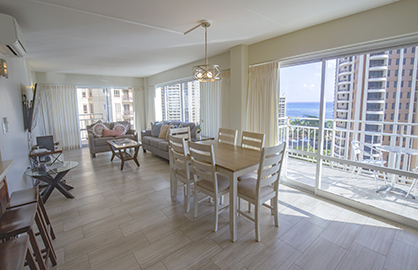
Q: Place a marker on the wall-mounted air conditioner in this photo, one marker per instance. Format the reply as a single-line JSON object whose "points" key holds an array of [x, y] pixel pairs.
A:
{"points": [[10, 42]]}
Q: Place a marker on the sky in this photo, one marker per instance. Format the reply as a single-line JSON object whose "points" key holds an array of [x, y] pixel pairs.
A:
{"points": [[302, 83]]}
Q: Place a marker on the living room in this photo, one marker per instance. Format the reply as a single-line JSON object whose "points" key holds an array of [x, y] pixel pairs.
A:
{"points": [[390, 25]]}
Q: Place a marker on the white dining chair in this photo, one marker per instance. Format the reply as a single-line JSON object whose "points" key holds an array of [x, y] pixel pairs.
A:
{"points": [[372, 156], [252, 140], [206, 179], [414, 183], [180, 169], [265, 186], [228, 136], [182, 132]]}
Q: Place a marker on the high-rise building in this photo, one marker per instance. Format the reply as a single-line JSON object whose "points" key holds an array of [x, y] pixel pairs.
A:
{"points": [[282, 109], [379, 89]]}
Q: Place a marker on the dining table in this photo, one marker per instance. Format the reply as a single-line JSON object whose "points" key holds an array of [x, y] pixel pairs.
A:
{"points": [[397, 151], [233, 161]]}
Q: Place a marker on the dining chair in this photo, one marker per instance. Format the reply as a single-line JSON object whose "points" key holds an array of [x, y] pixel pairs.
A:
{"points": [[206, 179], [180, 169], [252, 140], [265, 186], [228, 136], [183, 132], [414, 183], [368, 154]]}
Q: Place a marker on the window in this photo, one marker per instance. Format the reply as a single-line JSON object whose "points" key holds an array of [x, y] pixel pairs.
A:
{"points": [[410, 72], [404, 50], [91, 108], [403, 72], [85, 110], [395, 84], [394, 94], [83, 93], [406, 116], [400, 106], [387, 94], [408, 95], [396, 73], [398, 51], [117, 108], [404, 61], [400, 96], [409, 83], [401, 83], [412, 61], [397, 62], [180, 102], [413, 49], [393, 106], [116, 93], [390, 62], [391, 116]]}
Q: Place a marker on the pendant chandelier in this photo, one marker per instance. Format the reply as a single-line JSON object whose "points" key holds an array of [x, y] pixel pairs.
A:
{"points": [[206, 72]]}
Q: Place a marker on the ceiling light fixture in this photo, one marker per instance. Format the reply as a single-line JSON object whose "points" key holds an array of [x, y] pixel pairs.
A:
{"points": [[206, 72]]}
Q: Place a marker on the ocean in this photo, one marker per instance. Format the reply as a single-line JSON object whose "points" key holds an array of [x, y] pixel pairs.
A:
{"points": [[299, 109]]}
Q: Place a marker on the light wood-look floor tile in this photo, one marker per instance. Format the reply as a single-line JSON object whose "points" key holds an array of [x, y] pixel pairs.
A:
{"points": [[126, 220]]}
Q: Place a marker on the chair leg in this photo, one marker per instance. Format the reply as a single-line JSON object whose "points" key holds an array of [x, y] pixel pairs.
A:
{"points": [[174, 198], [187, 198], [275, 211], [411, 188], [36, 250], [257, 221], [30, 260], [216, 212], [249, 207], [196, 201]]}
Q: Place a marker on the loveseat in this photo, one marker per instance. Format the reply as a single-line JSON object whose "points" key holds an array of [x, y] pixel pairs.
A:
{"points": [[100, 132], [157, 143]]}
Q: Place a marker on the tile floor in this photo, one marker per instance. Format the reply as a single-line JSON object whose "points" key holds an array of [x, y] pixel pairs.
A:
{"points": [[125, 220]]}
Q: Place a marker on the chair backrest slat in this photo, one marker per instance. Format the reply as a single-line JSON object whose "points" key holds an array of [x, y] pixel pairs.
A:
{"points": [[203, 162], [183, 132], [270, 165], [228, 136], [252, 140], [178, 149]]}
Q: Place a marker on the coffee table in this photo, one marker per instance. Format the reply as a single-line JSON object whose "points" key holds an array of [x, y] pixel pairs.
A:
{"points": [[119, 147]]}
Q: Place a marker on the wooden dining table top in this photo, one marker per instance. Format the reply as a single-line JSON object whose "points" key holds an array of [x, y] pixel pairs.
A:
{"points": [[233, 158]]}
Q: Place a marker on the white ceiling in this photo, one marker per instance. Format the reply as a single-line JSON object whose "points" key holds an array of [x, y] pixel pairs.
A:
{"points": [[139, 38]]}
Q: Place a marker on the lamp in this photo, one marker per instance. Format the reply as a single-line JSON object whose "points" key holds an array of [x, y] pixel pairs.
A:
{"points": [[3, 68], [206, 72]]}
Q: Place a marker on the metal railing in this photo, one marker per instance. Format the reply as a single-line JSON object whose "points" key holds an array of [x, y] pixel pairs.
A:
{"points": [[85, 120], [301, 135]]}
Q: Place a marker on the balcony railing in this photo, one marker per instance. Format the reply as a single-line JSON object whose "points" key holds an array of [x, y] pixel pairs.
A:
{"points": [[302, 135], [85, 120]]}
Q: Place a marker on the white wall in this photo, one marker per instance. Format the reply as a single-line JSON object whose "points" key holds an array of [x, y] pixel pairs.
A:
{"points": [[14, 145], [88, 80]]}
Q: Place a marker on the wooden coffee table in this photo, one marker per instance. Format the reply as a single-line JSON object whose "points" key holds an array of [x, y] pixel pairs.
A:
{"points": [[119, 147]]}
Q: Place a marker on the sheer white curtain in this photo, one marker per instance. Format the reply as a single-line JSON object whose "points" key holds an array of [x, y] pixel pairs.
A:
{"points": [[263, 101], [139, 108], [150, 108], [58, 114], [211, 100]]}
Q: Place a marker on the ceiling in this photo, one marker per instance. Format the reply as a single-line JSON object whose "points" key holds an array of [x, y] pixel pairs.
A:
{"points": [[140, 38]]}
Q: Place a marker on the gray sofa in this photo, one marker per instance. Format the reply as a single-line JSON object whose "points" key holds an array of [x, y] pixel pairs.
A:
{"points": [[157, 146], [99, 144]]}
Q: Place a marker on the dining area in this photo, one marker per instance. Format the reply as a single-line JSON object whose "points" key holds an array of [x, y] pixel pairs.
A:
{"points": [[247, 171]]}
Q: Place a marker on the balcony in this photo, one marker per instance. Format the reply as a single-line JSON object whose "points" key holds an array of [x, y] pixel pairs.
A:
{"points": [[338, 162]]}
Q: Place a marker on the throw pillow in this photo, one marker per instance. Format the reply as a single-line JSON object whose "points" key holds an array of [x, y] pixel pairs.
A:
{"points": [[111, 133], [122, 128], [163, 132], [156, 130], [98, 128]]}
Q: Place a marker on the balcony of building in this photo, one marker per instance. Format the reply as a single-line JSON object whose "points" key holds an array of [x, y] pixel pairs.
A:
{"points": [[336, 179]]}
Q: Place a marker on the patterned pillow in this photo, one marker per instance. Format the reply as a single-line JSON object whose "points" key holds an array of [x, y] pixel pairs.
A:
{"points": [[122, 128], [98, 128], [111, 132]]}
